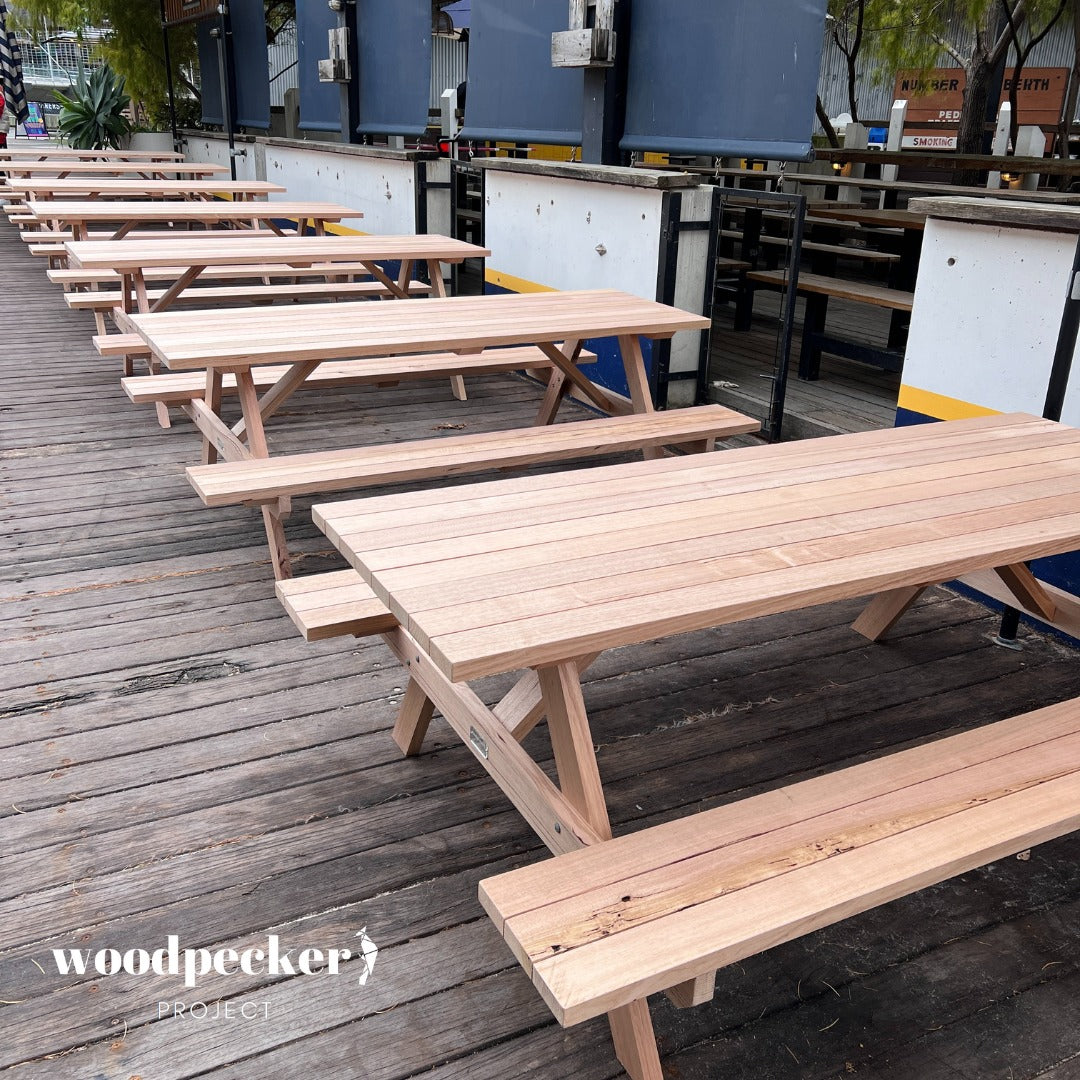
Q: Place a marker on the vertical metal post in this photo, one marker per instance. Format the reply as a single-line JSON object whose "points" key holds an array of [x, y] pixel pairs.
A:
{"points": [[1056, 387], [169, 77], [225, 70]]}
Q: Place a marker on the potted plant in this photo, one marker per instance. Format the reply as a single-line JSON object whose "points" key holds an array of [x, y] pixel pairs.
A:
{"points": [[92, 116]]}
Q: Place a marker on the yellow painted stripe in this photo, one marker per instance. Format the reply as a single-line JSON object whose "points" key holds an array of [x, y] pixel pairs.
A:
{"points": [[343, 230], [939, 406], [514, 284]]}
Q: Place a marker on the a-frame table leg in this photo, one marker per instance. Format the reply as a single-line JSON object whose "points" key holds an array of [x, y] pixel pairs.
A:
{"points": [[579, 779]]}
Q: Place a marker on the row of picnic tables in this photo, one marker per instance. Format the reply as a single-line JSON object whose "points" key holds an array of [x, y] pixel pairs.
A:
{"points": [[541, 574]]}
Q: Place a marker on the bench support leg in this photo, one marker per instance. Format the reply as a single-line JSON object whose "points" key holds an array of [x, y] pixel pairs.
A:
{"points": [[275, 539], [883, 612], [817, 307], [693, 992], [212, 400], [413, 719], [635, 1043]]}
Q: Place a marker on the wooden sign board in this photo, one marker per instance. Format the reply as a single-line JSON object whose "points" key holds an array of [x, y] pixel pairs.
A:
{"points": [[182, 11], [937, 96]]}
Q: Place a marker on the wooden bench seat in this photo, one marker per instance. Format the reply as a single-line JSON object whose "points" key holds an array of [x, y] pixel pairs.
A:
{"points": [[178, 387], [260, 480], [604, 926], [105, 300], [334, 604], [815, 247], [75, 278], [818, 288], [821, 285], [266, 482]]}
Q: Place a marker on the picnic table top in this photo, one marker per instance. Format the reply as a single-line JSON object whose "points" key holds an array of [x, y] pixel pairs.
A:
{"points": [[115, 185], [110, 168], [236, 248], [242, 336], [516, 573], [187, 210], [55, 151]]}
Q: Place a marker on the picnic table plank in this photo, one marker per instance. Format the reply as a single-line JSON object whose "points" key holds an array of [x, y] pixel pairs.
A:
{"points": [[44, 189], [78, 168], [184, 340], [237, 249]]}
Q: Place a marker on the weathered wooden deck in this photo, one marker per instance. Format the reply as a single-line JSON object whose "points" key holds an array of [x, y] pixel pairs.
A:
{"points": [[176, 761]]}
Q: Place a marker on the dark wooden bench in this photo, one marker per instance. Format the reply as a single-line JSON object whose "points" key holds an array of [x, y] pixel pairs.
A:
{"points": [[818, 289]]}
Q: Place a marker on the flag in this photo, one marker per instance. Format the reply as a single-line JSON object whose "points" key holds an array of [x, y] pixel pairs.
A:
{"points": [[11, 74]]}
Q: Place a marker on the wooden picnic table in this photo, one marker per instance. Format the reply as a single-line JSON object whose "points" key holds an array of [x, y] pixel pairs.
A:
{"points": [[305, 336], [52, 151], [150, 170], [258, 216], [193, 254], [115, 187], [387, 341], [543, 574]]}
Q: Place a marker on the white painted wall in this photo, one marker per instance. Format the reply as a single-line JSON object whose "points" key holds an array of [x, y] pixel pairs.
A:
{"points": [[383, 188], [548, 230], [988, 303]]}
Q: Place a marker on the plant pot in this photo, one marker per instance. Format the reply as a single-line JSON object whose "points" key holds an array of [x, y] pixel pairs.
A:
{"points": [[151, 140]]}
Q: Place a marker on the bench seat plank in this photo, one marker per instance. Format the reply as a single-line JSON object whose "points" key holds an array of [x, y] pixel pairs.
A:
{"points": [[77, 277], [877, 295], [607, 925], [864, 253], [261, 480], [106, 300], [334, 604], [181, 386]]}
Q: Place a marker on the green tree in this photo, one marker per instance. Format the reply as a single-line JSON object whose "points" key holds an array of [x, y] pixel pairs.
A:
{"points": [[134, 44]]}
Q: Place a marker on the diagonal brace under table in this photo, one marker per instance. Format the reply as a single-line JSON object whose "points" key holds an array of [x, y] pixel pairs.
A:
{"points": [[886, 609]]}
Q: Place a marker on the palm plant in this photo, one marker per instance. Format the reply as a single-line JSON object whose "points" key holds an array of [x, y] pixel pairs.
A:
{"points": [[92, 117]]}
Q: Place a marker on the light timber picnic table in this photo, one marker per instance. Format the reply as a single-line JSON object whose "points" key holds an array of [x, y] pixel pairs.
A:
{"points": [[543, 574], [117, 187], [252, 216], [55, 151], [194, 254], [150, 170], [303, 336], [387, 340]]}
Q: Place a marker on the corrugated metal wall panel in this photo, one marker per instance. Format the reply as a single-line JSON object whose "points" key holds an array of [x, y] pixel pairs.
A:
{"points": [[449, 65], [283, 70]]}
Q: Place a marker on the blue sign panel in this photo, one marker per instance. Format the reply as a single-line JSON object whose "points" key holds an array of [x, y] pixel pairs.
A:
{"points": [[394, 57], [514, 94], [320, 103], [730, 78]]}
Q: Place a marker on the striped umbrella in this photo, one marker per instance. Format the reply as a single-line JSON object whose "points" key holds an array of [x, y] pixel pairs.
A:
{"points": [[11, 73]]}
